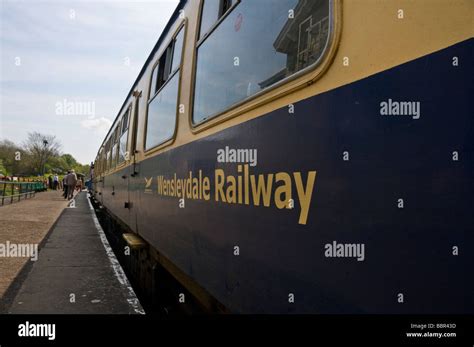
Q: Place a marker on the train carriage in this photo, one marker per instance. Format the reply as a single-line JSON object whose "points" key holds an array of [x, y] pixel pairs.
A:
{"points": [[301, 156]]}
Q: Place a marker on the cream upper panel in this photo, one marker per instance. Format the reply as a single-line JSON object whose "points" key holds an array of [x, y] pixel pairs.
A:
{"points": [[374, 34]]}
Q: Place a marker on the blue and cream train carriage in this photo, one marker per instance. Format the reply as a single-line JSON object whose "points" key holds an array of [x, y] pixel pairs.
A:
{"points": [[302, 156]]}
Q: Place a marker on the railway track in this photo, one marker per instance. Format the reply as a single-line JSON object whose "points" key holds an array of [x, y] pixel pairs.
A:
{"points": [[158, 291]]}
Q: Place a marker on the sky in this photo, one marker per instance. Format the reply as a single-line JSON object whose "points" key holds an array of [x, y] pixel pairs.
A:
{"points": [[67, 66]]}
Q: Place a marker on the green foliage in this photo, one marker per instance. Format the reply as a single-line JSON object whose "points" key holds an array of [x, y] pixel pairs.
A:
{"points": [[3, 170], [61, 164], [35, 158], [9, 152]]}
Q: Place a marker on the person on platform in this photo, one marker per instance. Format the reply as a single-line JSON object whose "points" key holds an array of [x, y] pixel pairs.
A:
{"points": [[65, 185], [55, 182], [79, 184], [71, 180]]}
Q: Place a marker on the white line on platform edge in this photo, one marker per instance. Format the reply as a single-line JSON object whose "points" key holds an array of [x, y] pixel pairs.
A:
{"points": [[119, 273]]}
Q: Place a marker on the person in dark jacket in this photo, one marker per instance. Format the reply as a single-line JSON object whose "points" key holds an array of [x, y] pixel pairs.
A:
{"points": [[71, 180], [65, 185]]}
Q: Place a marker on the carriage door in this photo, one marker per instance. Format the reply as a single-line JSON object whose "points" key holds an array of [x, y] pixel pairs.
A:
{"points": [[133, 182]]}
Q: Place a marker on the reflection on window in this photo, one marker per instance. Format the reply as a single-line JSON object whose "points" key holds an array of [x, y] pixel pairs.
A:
{"points": [[212, 10], [164, 67], [126, 117], [258, 44], [114, 156], [177, 51], [123, 141], [123, 146], [98, 160], [210, 13], [102, 160], [162, 107], [162, 114], [153, 86], [114, 143], [108, 160]]}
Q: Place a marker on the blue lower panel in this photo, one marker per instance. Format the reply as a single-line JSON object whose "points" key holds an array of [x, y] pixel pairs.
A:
{"points": [[409, 251]]}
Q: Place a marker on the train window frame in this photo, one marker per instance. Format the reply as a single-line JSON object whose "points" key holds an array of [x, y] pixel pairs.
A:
{"points": [[221, 17], [104, 161], [154, 79], [289, 84], [100, 157], [183, 25], [108, 154], [126, 115], [101, 160], [97, 162], [115, 144]]}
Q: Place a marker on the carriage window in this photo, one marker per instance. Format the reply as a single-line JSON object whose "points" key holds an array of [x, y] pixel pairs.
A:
{"points": [[178, 42], [168, 63], [212, 10], [258, 44], [117, 142], [114, 147], [123, 141], [108, 157], [98, 164], [101, 161], [162, 114], [125, 120], [164, 67], [103, 165], [154, 77], [162, 107]]}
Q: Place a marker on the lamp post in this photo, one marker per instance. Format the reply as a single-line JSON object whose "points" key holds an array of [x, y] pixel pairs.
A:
{"points": [[45, 143]]}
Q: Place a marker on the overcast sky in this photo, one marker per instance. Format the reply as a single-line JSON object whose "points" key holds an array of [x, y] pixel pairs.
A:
{"points": [[67, 66]]}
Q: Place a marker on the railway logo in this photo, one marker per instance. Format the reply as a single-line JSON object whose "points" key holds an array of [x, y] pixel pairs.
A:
{"points": [[148, 182], [246, 188]]}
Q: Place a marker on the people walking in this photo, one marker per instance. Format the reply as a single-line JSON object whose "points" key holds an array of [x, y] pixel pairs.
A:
{"points": [[71, 180], [65, 185], [79, 184], [55, 182]]}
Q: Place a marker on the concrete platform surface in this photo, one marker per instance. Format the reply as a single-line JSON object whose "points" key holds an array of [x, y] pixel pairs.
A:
{"points": [[26, 222], [76, 271]]}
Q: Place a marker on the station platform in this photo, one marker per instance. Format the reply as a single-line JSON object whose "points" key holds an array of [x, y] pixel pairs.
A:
{"points": [[27, 221], [76, 271]]}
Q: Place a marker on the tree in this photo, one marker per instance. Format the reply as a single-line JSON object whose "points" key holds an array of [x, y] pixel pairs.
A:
{"points": [[13, 159], [61, 164], [39, 154], [41, 148], [3, 170]]}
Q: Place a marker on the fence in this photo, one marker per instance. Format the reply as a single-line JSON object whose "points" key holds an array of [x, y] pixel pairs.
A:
{"points": [[11, 191]]}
